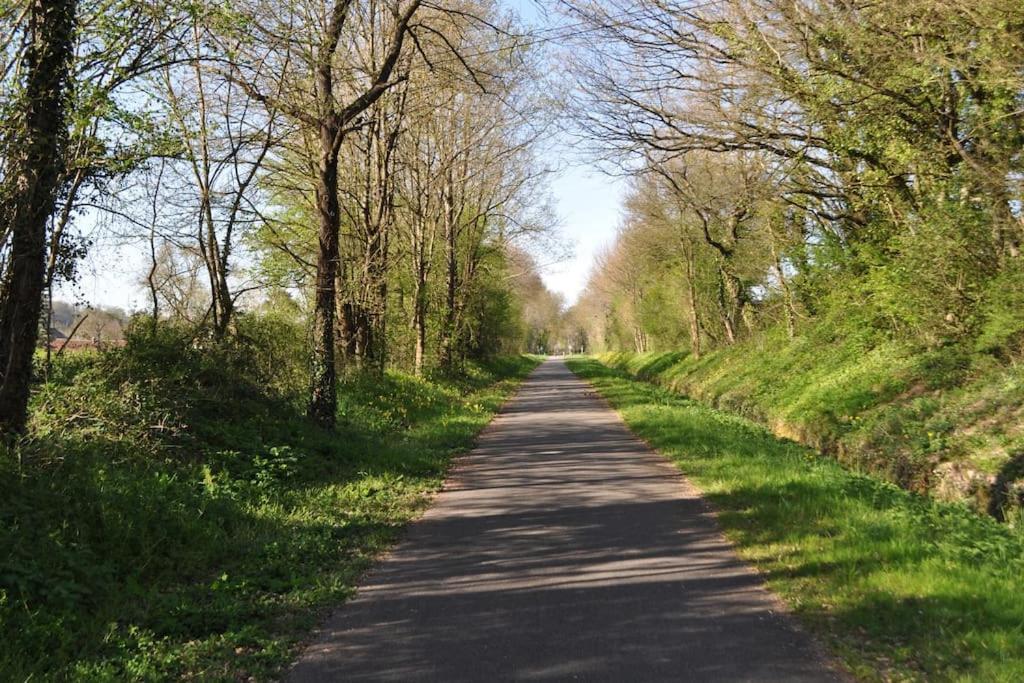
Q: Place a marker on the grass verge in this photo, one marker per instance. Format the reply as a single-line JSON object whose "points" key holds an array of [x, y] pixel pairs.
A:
{"points": [[169, 521], [900, 587], [948, 422]]}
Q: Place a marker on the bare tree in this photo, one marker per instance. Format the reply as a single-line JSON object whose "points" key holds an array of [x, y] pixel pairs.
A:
{"points": [[226, 138]]}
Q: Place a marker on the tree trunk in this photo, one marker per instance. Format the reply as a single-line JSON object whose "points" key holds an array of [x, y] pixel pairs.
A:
{"points": [[345, 329], [376, 297], [323, 401], [153, 263], [381, 350], [378, 218], [694, 319], [225, 302], [724, 307], [35, 165], [419, 326], [448, 327], [640, 339], [418, 323], [787, 292], [380, 304], [1008, 227], [362, 335]]}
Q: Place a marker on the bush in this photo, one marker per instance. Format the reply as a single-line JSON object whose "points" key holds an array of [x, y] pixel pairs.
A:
{"points": [[173, 515], [1002, 313]]}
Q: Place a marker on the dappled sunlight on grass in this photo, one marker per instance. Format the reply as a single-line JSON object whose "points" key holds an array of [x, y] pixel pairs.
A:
{"points": [[209, 548]]}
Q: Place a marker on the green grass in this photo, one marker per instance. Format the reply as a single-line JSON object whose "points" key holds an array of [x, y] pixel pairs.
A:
{"points": [[944, 422], [170, 520], [899, 586]]}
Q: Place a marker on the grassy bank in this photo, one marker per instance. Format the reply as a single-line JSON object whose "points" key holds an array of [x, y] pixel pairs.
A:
{"points": [[948, 422], [901, 587], [171, 517]]}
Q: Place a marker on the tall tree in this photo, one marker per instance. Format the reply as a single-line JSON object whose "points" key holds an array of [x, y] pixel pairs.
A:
{"points": [[329, 107], [34, 147]]}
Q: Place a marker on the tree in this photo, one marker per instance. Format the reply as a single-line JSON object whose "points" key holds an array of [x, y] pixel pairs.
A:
{"points": [[225, 140], [288, 52], [887, 131], [33, 146]]}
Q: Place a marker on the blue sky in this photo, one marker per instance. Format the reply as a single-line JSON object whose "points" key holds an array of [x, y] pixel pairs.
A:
{"points": [[588, 204], [586, 201]]}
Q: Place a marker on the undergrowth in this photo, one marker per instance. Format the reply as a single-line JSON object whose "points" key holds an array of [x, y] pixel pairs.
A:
{"points": [[947, 421], [172, 515]]}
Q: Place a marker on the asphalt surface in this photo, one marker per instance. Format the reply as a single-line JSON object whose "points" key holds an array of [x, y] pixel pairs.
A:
{"points": [[562, 548]]}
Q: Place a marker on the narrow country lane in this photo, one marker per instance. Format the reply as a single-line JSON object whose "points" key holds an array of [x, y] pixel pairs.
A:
{"points": [[562, 549]]}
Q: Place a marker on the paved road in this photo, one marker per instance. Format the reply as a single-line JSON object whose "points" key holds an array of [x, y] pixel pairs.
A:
{"points": [[562, 548]]}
